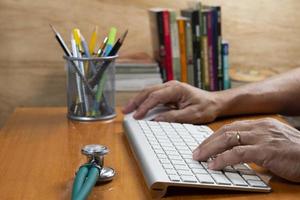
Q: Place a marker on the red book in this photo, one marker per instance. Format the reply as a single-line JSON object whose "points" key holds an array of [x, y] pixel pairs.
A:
{"points": [[211, 56], [168, 49]]}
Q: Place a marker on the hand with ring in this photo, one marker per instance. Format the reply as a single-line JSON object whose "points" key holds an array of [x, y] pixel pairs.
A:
{"points": [[266, 142]]}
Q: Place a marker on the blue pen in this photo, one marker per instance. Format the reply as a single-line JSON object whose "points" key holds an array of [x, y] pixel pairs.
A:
{"points": [[111, 40], [87, 54]]}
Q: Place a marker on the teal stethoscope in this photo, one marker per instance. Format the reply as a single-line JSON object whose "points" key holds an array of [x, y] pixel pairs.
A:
{"points": [[92, 172]]}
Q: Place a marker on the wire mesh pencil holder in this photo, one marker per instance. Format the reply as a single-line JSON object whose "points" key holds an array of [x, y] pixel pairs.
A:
{"points": [[91, 88]]}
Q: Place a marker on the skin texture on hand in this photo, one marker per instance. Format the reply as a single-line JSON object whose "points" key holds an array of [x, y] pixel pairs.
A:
{"points": [[192, 105], [267, 142]]}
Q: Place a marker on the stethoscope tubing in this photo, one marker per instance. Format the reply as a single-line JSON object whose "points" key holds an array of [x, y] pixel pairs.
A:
{"points": [[84, 181]]}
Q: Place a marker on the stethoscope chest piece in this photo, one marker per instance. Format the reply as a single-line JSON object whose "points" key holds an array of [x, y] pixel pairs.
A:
{"points": [[106, 174], [95, 155]]}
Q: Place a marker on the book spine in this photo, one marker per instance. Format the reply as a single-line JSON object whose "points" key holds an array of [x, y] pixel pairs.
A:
{"points": [[219, 33], [189, 52], [189, 46], [156, 26], [168, 48], [204, 53], [182, 44], [225, 65], [201, 72], [215, 47], [175, 45], [211, 55], [196, 48]]}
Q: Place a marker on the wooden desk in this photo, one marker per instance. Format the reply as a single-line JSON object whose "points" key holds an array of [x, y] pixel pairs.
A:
{"points": [[40, 152]]}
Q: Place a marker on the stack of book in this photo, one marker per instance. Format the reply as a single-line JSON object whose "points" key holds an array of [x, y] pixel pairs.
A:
{"points": [[189, 48], [135, 72]]}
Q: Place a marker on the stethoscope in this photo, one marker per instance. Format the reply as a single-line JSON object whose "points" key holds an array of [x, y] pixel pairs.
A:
{"points": [[92, 172]]}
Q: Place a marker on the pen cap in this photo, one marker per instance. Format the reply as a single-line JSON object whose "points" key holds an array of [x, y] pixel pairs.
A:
{"points": [[112, 36]]}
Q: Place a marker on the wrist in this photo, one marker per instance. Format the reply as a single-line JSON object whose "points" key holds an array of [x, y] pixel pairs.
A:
{"points": [[224, 103]]}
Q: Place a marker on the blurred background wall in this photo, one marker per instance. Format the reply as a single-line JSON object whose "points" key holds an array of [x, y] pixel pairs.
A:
{"points": [[261, 33]]}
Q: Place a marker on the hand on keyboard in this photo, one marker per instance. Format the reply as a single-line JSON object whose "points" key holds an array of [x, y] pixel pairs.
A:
{"points": [[193, 105], [164, 150], [267, 142]]}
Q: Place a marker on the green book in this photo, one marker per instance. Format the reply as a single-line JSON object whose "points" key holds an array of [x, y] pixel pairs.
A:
{"points": [[189, 52], [175, 45]]}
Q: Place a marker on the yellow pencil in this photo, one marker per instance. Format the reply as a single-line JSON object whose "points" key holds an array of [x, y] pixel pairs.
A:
{"points": [[93, 41], [76, 34]]}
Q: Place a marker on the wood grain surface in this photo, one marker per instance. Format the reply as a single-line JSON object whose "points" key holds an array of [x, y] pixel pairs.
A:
{"points": [[40, 153], [261, 33]]}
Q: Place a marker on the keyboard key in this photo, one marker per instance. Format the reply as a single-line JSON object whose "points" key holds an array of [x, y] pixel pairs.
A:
{"points": [[214, 171], [240, 166], [188, 152], [177, 140], [199, 171], [187, 156], [153, 142], [246, 172], [177, 126], [182, 148], [204, 164], [185, 172], [229, 169], [156, 146], [172, 153], [174, 178], [175, 157], [168, 148], [181, 167], [236, 179], [157, 151], [166, 144], [191, 161], [254, 183], [195, 166], [221, 179], [251, 177], [191, 128], [171, 172], [190, 179], [165, 161], [205, 178], [168, 166], [161, 156], [193, 147], [178, 162]]}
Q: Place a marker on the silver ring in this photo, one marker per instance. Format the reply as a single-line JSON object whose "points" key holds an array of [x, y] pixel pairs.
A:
{"points": [[238, 137]]}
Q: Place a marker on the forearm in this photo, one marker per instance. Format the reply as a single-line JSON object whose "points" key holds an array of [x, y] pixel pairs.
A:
{"points": [[280, 94]]}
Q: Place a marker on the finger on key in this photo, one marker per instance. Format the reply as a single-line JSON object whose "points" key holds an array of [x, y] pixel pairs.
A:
{"points": [[222, 143], [245, 125], [238, 154]]}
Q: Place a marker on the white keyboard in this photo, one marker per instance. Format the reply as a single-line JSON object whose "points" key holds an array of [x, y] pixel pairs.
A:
{"points": [[164, 152]]}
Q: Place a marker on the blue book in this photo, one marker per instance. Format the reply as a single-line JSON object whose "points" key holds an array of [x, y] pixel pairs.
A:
{"points": [[215, 48], [225, 65]]}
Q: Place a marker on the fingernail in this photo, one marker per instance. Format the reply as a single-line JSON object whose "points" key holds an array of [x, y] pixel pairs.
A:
{"points": [[211, 165], [136, 115], [196, 153], [159, 118]]}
